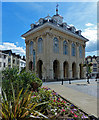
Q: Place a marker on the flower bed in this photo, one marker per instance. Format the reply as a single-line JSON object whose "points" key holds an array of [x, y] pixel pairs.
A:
{"points": [[57, 107]]}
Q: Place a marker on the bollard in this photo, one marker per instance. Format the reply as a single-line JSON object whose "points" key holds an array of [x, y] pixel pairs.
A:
{"points": [[96, 79], [62, 81], [69, 81], [88, 80]]}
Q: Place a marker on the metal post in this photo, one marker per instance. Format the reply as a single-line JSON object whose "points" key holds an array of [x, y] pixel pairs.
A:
{"points": [[62, 81], [88, 79], [96, 78], [87, 73], [69, 81]]}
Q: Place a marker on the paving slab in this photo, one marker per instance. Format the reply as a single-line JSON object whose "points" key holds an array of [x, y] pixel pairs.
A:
{"points": [[84, 101]]}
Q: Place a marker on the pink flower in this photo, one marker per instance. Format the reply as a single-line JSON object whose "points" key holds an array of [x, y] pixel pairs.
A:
{"points": [[71, 111], [75, 115], [64, 110]]}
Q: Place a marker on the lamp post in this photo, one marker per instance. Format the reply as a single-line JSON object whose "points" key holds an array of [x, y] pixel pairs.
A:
{"points": [[88, 74], [97, 59]]}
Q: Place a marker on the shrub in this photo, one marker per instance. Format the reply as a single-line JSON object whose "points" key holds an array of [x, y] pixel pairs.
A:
{"points": [[29, 79], [21, 107], [19, 81]]}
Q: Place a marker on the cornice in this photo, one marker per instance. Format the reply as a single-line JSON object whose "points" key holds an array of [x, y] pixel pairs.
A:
{"points": [[56, 28]]}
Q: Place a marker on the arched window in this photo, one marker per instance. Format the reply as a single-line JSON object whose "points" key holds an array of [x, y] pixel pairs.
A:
{"points": [[73, 49], [56, 45], [31, 48], [65, 48], [40, 45], [80, 51]]}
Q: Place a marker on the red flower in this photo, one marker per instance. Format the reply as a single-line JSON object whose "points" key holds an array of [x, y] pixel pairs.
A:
{"points": [[54, 100]]}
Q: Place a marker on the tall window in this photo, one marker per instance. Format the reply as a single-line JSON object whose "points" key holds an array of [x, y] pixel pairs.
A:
{"points": [[31, 48], [56, 45], [80, 51], [65, 48], [40, 45], [73, 49]]}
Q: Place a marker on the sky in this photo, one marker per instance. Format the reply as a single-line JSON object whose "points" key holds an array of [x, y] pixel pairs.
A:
{"points": [[17, 17]]}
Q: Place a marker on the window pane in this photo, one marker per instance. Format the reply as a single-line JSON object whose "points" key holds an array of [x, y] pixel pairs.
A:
{"points": [[73, 49], [65, 48], [56, 45], [40, 45], [31, 48]]}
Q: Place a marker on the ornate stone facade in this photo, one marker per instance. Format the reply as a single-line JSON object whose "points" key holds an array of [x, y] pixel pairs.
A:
{"points": [[51, 57]]}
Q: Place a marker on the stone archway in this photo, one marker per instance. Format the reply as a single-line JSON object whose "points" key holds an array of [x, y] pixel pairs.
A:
{"points": [[81, 71], [56, 69], [39, 68], [65, 69], [73, 70], [30, 65]]}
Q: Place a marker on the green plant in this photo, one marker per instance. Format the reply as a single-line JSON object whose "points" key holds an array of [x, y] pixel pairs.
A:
{"points": [[9, 76], [19, 80], [28, 79], [21, 107]]}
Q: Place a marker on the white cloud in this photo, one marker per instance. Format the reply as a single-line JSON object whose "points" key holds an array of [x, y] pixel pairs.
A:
{"points": [[91, 33], [91, 53], [13, 47], [89, 24]]}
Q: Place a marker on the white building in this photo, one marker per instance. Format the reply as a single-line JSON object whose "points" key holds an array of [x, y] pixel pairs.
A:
{"points": [[3, 61], [22, 64], [13, 60]]}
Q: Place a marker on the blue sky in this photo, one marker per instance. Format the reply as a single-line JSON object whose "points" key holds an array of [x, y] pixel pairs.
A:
{"points": [[17, 17]]}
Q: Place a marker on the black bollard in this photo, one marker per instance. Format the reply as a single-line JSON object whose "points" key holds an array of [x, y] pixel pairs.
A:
{"points": [[69, 81], [62, 81], [96, 79], [88, 80]]}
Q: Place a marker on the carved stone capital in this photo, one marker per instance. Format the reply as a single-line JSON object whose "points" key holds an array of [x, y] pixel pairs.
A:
{"points": [[34, 38], [60, 37], [27, 42], [84, 45], [77, 44], [69, 41]]}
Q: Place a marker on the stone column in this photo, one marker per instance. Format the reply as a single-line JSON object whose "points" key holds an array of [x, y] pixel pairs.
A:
{"points": [[78, 71], [77, 50], [27, 55], [70, 70], [69, 48], [61, 70], [43, 71], [51, 70]]}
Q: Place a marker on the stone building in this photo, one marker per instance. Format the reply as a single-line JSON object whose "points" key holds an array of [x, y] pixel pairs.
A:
{"points": [[3, 60], [55, 50], [14, 60], [95, 65]]}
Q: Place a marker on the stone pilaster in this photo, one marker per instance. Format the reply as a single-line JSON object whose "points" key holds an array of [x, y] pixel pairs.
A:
{"points": [[27, 54], [51, 70], [70, 70], [78, 71], [61, 70]]}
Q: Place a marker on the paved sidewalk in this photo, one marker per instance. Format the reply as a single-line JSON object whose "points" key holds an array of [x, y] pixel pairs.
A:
{"points": [[86, 102]]}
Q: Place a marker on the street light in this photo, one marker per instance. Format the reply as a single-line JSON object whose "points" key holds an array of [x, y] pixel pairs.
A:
{"points": [[87, 72]]}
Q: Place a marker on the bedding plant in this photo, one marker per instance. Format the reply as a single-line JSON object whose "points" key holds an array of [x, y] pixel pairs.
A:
{"points": [[57, 107]]}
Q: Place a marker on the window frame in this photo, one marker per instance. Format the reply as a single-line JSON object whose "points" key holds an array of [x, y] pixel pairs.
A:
{"points": [[56, 45], [65, 47], [73, 49], [40, 45]]}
